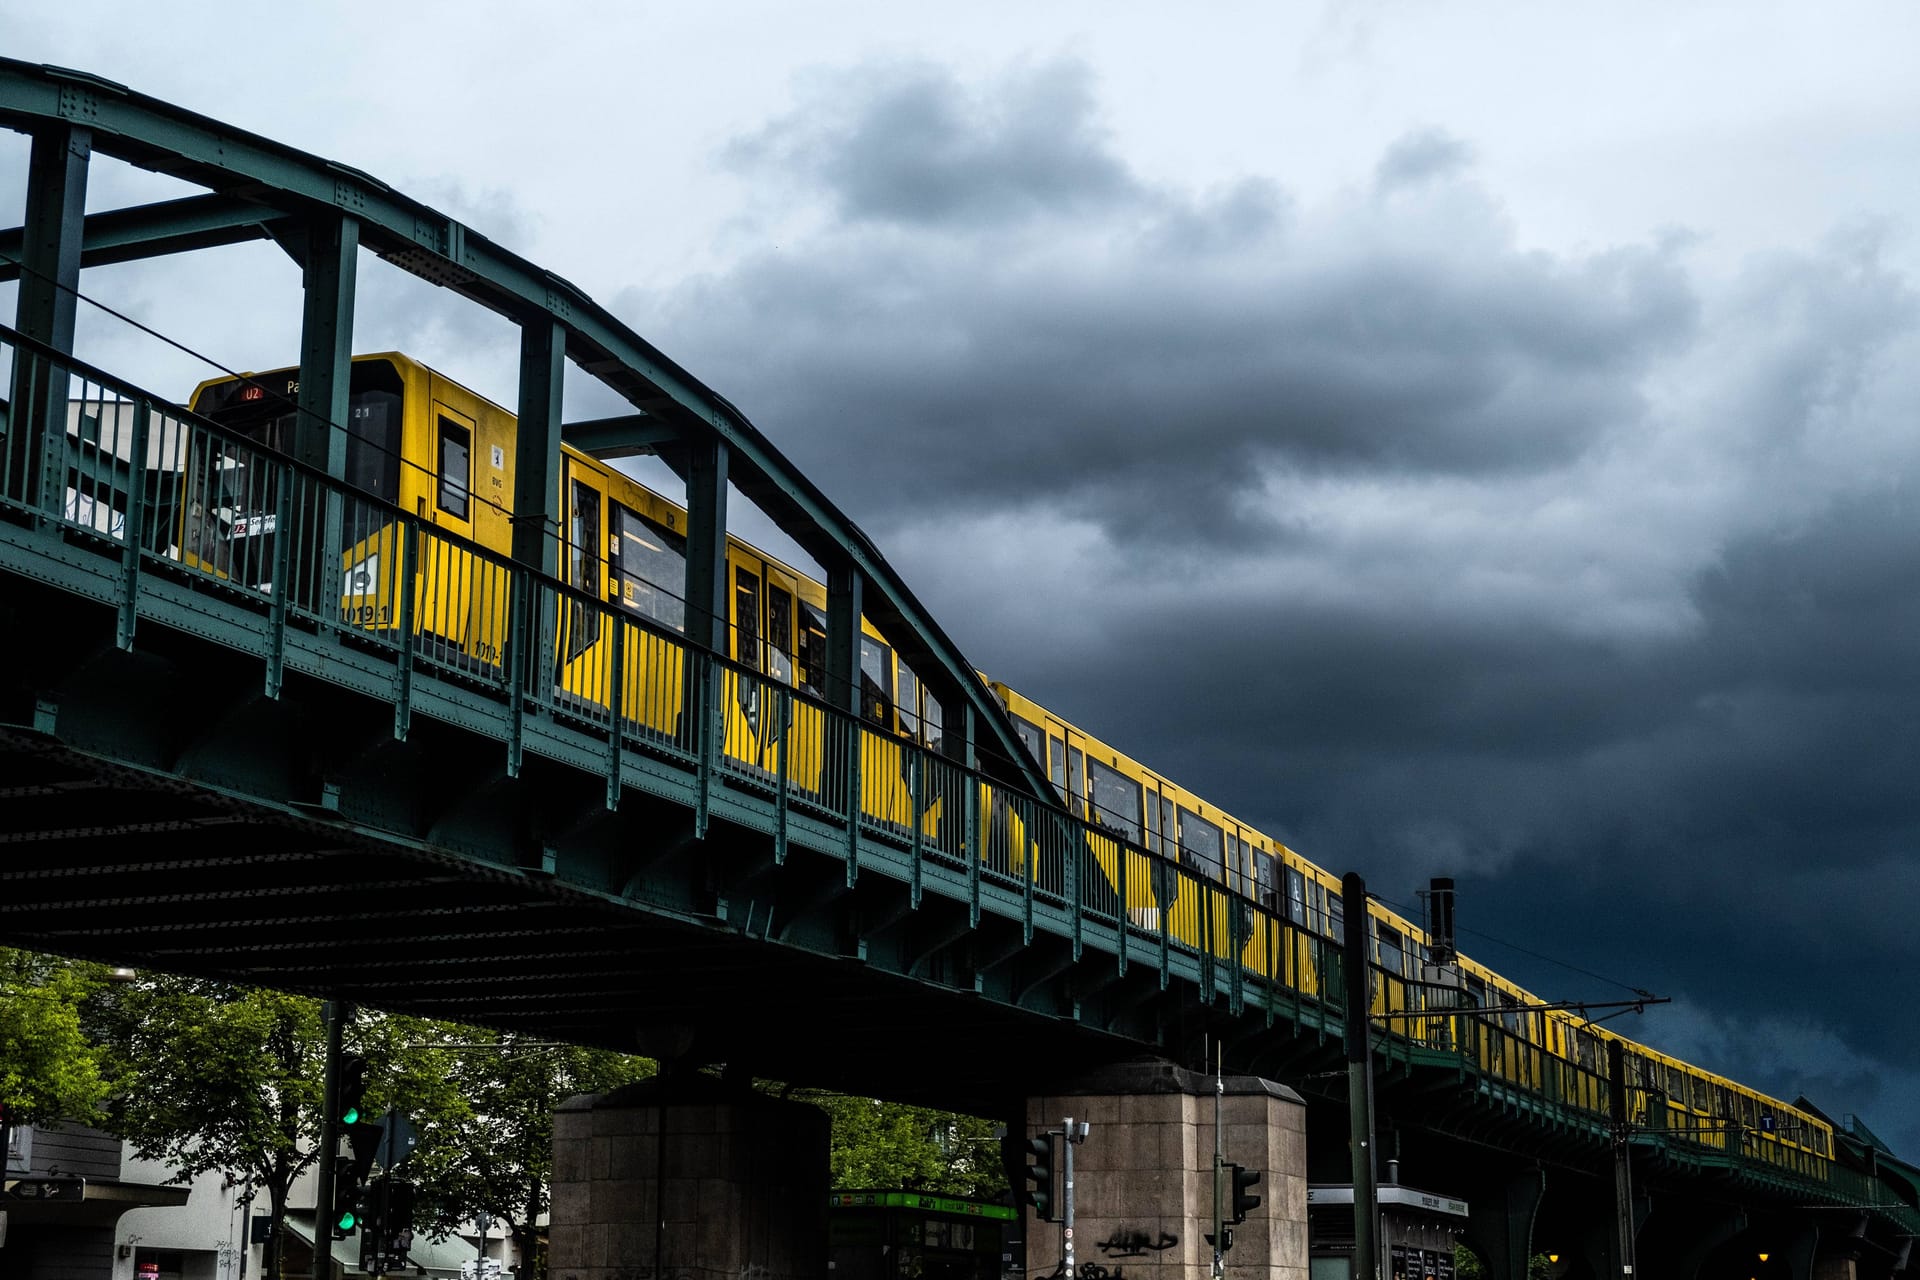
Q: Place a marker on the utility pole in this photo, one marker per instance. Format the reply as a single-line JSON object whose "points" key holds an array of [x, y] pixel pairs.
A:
{"points": [[1218, 1238], [1622, 1158], [1357, 964], [1073, 1134], [336, 1012]]}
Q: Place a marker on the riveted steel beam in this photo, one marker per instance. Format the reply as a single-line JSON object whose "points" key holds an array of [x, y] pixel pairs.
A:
{"points": [[154, 230]]}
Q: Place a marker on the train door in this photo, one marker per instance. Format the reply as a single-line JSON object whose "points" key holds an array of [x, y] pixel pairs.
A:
{"points": [[583, 651], [447, 569], [763, 639]]}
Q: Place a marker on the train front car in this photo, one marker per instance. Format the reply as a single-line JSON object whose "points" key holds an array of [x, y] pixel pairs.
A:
{"points": [[243, 505]]}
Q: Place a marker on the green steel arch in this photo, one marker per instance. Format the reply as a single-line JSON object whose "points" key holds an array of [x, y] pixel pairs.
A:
{"points": [[259, 188]]}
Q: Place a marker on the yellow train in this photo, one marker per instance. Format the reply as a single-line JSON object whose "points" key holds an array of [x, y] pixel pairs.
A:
{"points": [[1152, 856]]}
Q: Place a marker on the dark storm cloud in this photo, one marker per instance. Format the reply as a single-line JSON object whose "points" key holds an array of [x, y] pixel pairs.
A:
{"points": [[1582, 577], [1146, 366], [916, 146]]}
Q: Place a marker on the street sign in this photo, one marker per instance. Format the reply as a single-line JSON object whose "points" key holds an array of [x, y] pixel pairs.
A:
{"points": [[47, 1189], [397, 1141]]}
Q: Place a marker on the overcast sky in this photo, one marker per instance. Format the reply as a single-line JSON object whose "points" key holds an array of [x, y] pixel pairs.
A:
{"points": [[1473, 440]]}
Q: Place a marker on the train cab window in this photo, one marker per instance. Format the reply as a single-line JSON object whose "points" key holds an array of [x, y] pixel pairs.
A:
{"points": [[876, 681], [649, 567], [1296, 896], [373, 442], [909, 702], [1266, 889], [456, 444], [1076, 782], [813, 650], [1032, 739], [1116, 800], [746, 619], [1203, 845], [583, 567]]}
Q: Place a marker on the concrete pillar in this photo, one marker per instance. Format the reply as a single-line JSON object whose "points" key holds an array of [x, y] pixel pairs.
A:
{"points": [[688, 1178], [1835, 1267], [1502, 1219], [1144, 1176]]}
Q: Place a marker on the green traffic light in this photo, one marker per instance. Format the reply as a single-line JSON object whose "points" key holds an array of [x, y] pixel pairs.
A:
{"points": [[348, 1220], [352, 1116]]}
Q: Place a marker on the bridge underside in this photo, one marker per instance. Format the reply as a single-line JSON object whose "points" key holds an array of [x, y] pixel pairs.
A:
{"points": [[159, 810]]}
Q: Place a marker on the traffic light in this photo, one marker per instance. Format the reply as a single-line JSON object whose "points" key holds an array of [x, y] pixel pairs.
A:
{"points": [[1243, 1198], [1039, 1176], [350, 1198], [396, 1221]]}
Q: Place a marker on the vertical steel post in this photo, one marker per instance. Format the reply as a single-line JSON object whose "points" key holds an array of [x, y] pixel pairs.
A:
{"points": [[1358, 965], [536, 450], [706, 606], [326, 380], [35, 459]]}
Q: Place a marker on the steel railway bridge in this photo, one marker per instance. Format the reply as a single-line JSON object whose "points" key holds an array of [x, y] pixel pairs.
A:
{"points": [[238, 781]]}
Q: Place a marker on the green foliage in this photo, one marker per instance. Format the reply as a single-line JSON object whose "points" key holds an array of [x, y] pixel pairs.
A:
{"points": [[217, 1078], [483, 1105], [1467, 1265], [889, 1144], [50, 1069]]}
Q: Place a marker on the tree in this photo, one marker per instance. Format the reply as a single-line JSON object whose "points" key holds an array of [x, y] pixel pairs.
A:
{"points": [[890, 1144], [486, 1139], [214, 1078], [50, 1068]]}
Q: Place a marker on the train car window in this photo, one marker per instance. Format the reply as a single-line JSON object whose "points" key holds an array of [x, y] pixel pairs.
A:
{"points": [[1032, 739], [779, 633], [1076, 782], [1057, 767], [1153, 820], [933, 724], [1391, 947], [1477, 993], [1168, 834], [1116, 800], [1203, 845], [456, 443], [909, 702], [583, 567], [1296, 896], [650, 567], [813, 650], [1336, 917], [746, 618], [1266, 889], [876, 681], [1747, 1112]]}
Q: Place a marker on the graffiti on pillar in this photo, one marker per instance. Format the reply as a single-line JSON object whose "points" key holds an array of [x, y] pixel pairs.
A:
{"points": [[1129, 1243], [1094, 1271]]}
